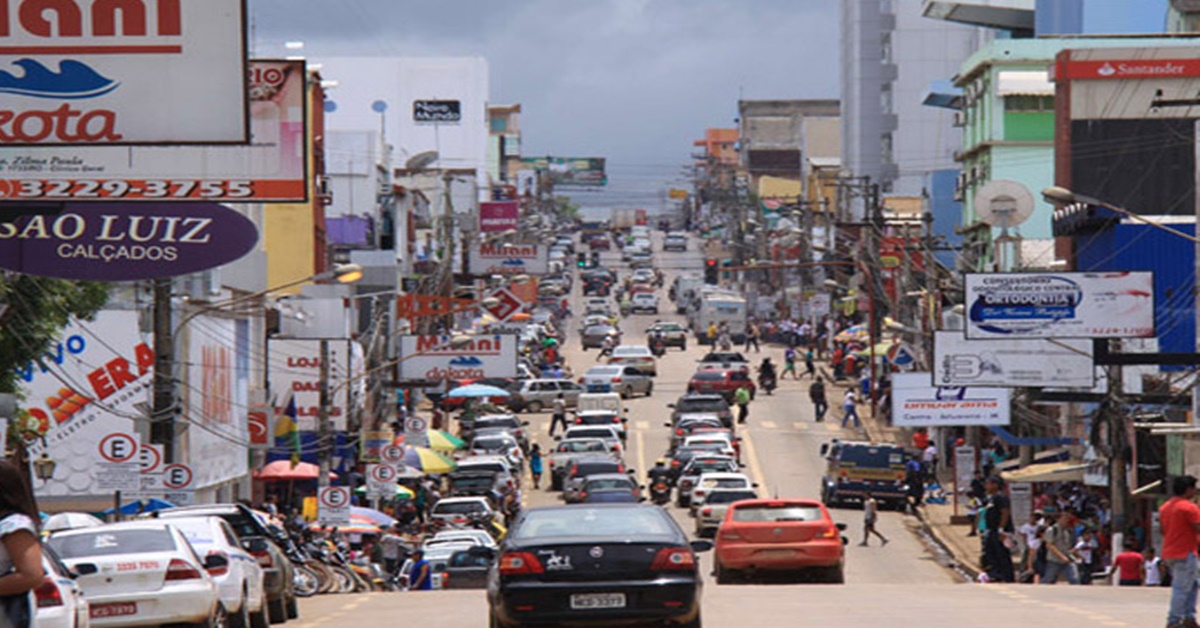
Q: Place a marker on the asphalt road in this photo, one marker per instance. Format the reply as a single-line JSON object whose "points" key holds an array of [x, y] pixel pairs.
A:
{"points": [[904, 581]]}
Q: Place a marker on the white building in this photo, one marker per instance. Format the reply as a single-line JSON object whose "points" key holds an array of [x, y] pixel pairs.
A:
{"points": [[890, 55]]}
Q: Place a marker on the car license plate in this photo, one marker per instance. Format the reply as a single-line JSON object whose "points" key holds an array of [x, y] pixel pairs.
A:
{"points": [[777, 554], [601, 388], [585, 601], [113, 609]]}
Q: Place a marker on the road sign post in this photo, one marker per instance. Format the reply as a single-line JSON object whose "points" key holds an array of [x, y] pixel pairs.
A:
{"points": [[177, 484], [119, 464], [333, 506]]}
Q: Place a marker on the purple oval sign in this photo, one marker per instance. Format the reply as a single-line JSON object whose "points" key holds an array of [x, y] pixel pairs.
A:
{"points": [[124, 241]]}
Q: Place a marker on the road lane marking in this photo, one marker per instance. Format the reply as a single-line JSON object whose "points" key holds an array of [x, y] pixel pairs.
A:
{"points": [[641, 452], [752, 459], [800, 425], [641, 425], [769, 425]]}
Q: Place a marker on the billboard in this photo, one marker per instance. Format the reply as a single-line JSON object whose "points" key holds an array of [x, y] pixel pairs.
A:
{"points": [[216, 398], [125, 241], [569, 171], [94, 381], [295, 366], [129, 72], [437, 111], [434, 358], [499, 215], [917, 404], [510, 259], [1011, 362], [1060, 305], [271, 168]]}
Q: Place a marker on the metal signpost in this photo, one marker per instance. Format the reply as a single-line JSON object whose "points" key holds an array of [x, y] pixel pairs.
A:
{"points": [[333, 505]]}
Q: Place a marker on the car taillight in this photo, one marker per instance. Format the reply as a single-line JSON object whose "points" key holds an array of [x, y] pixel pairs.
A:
{"points": [[674, 559], [616, 419], [519, 563], [578, 421], [181, 570], [620, 468], [674, 463], [616, 380], [707, 512], [679, 432], [582, 494], [218, 571], [580, 380], [829, 533], [264, 558], [698, 493], [686, 484], [48, 594]]}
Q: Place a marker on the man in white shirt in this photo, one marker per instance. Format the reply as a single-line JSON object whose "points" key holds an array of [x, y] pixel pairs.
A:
{"points": [[930, 457]]}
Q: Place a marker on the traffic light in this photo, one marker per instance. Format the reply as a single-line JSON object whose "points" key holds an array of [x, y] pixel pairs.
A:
{"points": [[710, 271], [581, 260]]}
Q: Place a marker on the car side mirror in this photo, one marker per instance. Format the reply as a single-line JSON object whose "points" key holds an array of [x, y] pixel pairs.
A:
{"points": [[641, 499], [670, 405], [525, 423], [215, 561], [845, 541], [755, 485], [701, 545], [741, 465], [824, 449], [84, 569], [841, 526], [632, 472]]}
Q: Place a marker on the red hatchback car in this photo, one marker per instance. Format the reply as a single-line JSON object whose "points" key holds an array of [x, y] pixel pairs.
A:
{"points": [[721, 382], [780, 535]]}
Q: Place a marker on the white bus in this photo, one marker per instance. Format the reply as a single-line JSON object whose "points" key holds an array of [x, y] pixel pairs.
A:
{"points": [[718, 307]]}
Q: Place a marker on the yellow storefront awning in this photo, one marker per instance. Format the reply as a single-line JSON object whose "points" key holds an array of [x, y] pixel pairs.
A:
{"points": [[1068, 471]]}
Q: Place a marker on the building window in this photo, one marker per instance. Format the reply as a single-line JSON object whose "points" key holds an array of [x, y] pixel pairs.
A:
{"points": [[499, 125], [1029, 104]]}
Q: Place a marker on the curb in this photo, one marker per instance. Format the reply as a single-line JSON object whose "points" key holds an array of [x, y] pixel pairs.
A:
{"points": [[958, 563]]}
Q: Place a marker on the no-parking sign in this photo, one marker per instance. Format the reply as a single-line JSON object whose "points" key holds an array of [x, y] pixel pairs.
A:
{"points": [[119, 466], [381, 480], [392, 454], [333, 506]]}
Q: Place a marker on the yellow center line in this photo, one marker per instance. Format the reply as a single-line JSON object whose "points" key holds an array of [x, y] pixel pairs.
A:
{"points": [[640, 437], [751, 455]]}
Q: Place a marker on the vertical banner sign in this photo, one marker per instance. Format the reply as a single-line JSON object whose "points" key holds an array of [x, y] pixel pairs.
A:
{"points": [[118, 465], [333, 506], [127, 72], [1020, 494], [381, 480], [499, 215], [964, 472]]}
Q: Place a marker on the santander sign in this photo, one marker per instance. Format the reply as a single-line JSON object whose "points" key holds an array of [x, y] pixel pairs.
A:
{"points": [[92, 71]]}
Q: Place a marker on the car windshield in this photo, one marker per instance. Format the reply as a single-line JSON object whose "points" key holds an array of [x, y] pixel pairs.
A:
{"points": [[702, 405], [592, 468], [708, 465], [592, 433], [775, 513], [497, 442], [500, 422], [197, 531], [723, 482], [113, 543], [582, 445], [598, 329], [724, 357], [581, 521], [475, 482], [495, 466], [728, 497], [631, 351], [458, 507]]}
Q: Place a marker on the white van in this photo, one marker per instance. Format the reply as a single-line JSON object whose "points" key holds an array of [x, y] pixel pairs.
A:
{"points": [[601, 401]]}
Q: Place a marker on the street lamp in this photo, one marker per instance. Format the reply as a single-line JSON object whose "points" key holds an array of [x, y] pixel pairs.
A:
{"points": [[1060, 196], [44, 467]]}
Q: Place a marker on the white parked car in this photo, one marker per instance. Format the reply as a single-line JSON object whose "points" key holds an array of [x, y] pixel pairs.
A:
{"points": [[606, 433], [635, 355], [142, 573], [473, 537], [454, 508], [60, 600], [241, 582]]}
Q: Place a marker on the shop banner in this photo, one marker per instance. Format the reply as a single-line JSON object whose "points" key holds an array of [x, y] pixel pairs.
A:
{"points": [[917, 404], [1060, 305]]}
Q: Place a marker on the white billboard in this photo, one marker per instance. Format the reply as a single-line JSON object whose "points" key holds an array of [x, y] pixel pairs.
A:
{"points": [[915, 403], [129, 72], [1037, 363], [94, 381], [216, 399], [510, 259], [272, 168], [1060, 305], [295, 366], [435, 358]]}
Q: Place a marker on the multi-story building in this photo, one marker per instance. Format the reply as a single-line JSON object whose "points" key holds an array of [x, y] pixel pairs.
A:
{"points": [[504, 143]]}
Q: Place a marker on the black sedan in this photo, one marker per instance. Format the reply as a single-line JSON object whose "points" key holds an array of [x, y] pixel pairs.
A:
{"points": [[619, 564]]}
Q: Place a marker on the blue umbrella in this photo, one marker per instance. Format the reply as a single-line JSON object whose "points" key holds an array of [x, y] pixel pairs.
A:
{"points": [[149, 505], [477, 390]]}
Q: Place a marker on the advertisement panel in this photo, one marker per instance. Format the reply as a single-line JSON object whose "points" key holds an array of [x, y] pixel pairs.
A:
{"points": [[295, 366], [89, 385], [512, 259], [216, 398], [569, 171], [917, 404], [272, 168], [434, 358], [1014, 363], [125, 241], [499, 215], [1060, 305], [103, 72]]}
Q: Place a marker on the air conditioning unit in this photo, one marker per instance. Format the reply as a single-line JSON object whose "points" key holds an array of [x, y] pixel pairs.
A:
{"points": [[324, 190], [960, 118]]}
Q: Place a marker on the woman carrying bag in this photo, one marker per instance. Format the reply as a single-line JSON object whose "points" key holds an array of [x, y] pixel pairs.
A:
{"points": [[20, 552]]}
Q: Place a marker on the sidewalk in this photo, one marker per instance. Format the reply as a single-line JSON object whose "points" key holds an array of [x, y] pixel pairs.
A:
{"points": [[933, 519]]}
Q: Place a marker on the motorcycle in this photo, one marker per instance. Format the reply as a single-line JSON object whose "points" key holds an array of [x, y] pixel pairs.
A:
{"points": [[658, 347], [660, 492], [766, 381]]}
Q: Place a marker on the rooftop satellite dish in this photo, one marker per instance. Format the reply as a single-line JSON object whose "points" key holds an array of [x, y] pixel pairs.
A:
{"points": [[421, 161], [1003, 203]]}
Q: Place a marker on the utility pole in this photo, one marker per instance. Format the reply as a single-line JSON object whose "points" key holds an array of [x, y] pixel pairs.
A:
{"points": [[1112, 413], [324, 428], [162, 421]]}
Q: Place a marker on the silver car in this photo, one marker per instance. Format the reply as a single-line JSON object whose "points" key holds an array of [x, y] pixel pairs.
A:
{"points": [[619, 378], [712, 513]]}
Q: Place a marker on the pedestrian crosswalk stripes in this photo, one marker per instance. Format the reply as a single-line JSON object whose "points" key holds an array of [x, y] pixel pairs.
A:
{"points": [[770, 425]]}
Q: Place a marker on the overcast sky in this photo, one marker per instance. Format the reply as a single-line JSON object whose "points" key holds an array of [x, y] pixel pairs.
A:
{"points": [[631, 80]]}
